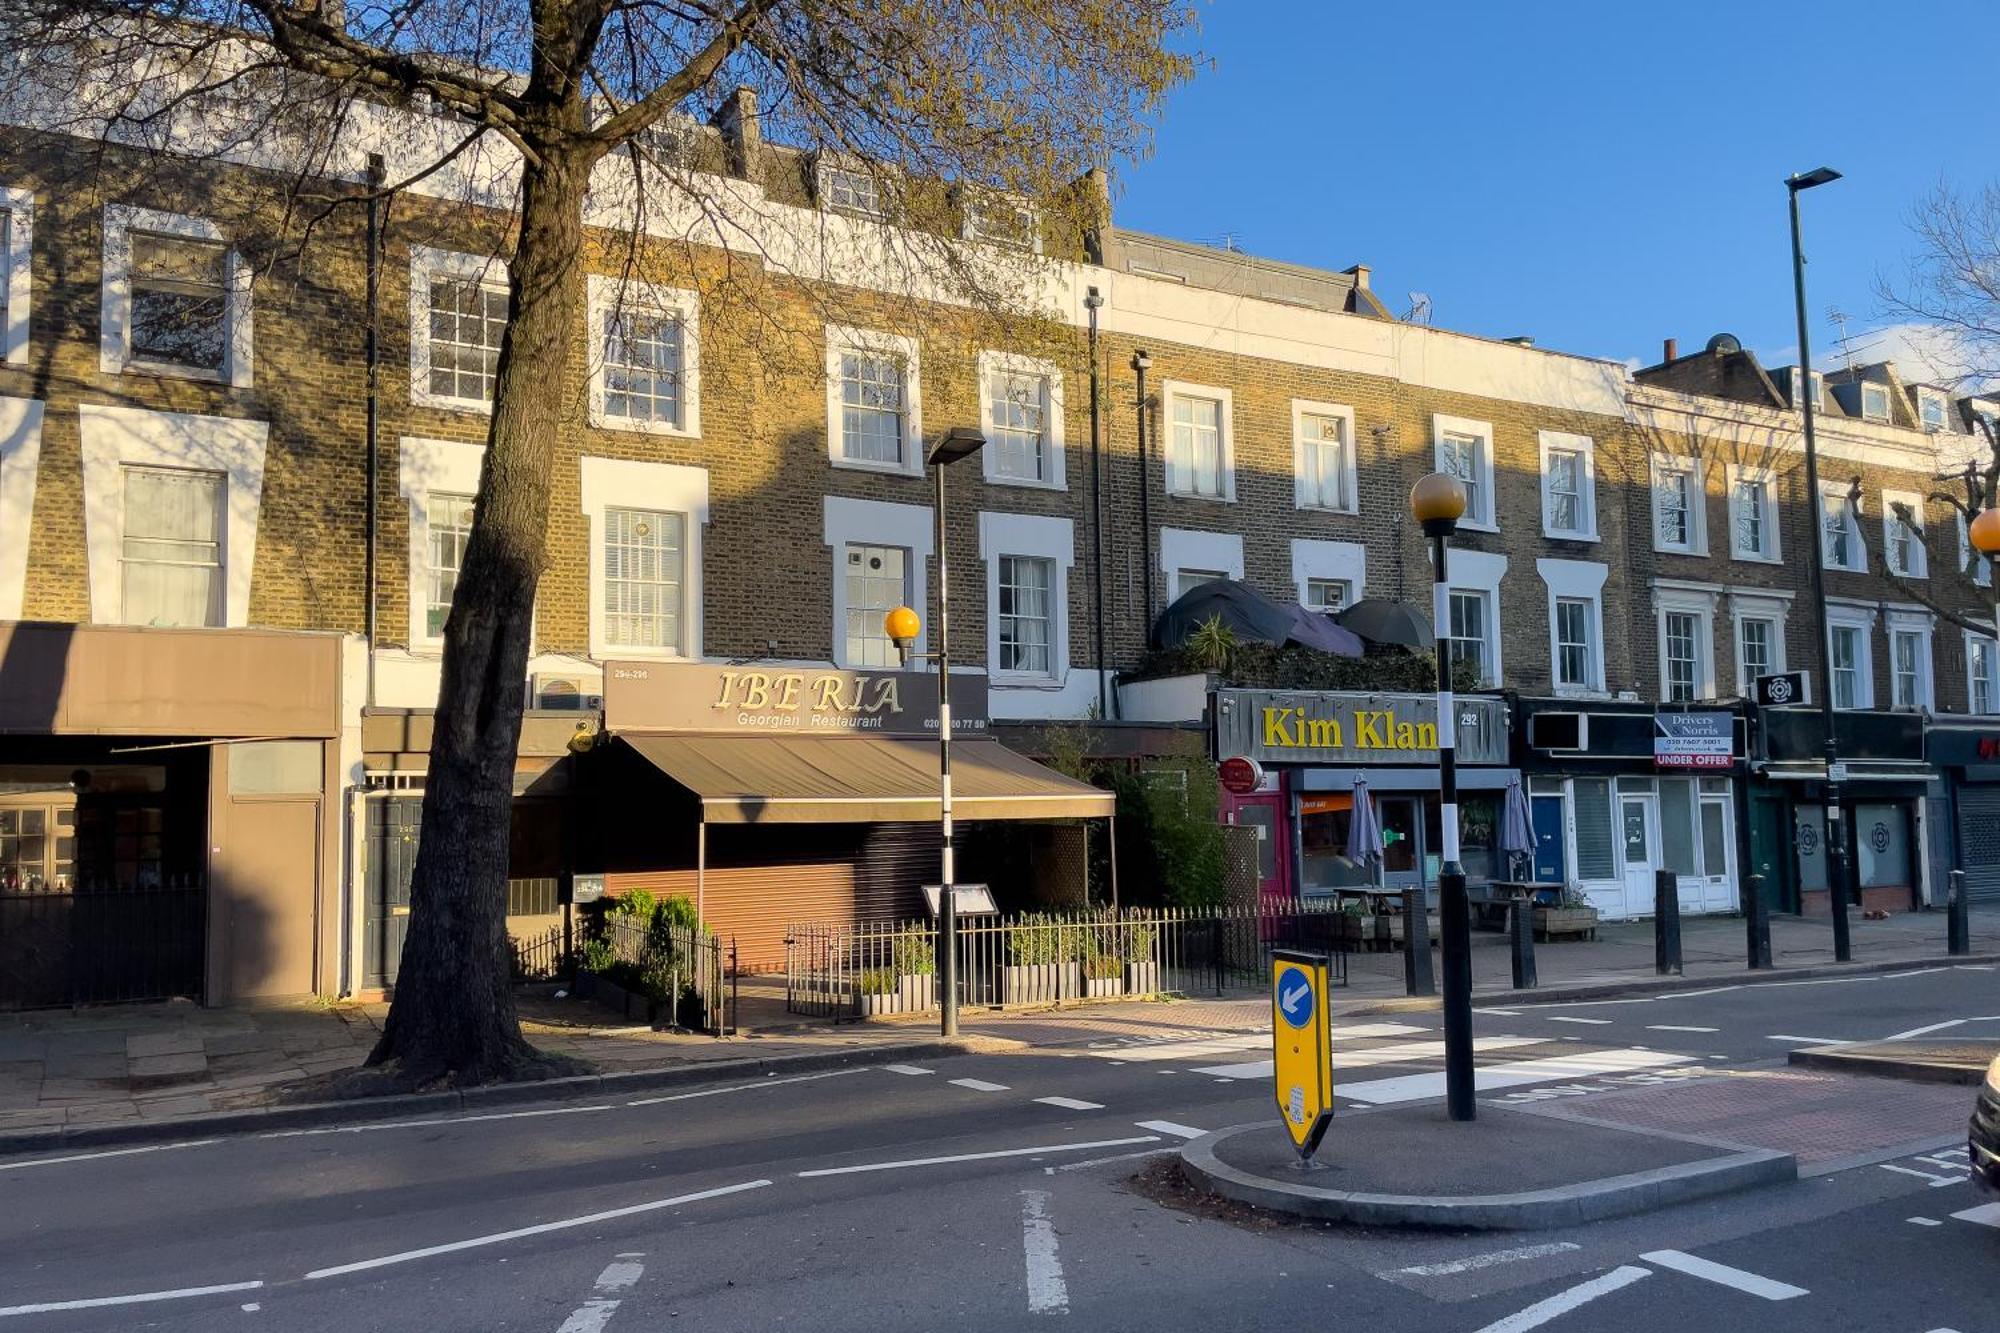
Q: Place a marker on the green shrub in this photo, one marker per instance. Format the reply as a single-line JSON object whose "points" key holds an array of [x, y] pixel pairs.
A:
{"points": [[1036, 940], [596, 956], [1136, 941], [878, 981], [1169, 839], [912, 954], [1103, 966]]}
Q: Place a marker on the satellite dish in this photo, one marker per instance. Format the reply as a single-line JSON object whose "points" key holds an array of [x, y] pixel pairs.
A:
{"points": [[1725, 343]]}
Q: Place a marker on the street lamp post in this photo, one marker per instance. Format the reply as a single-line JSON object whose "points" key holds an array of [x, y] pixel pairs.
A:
{"points": [[1437, 502], [1836, 827], [902, 625]]}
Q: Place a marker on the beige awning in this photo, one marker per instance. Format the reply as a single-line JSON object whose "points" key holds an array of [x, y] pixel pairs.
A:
{"points": [[860, 779]]}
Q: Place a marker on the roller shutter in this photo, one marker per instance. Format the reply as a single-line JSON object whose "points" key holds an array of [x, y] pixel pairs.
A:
{"points": [[1979, 839]]}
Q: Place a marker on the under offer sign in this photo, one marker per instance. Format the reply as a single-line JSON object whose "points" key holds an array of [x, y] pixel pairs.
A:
{"points": [[1694, 738]]}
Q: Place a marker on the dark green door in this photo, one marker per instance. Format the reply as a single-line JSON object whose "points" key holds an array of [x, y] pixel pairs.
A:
{"points": [[393, 826], [1771, 853]]}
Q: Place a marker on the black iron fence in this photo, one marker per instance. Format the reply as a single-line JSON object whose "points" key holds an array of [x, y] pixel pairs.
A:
{"points": [[100, 942], [683, 976], [866, 969], [543, 957]]}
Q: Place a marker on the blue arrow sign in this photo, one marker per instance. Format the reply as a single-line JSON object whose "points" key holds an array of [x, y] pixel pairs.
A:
{"points": [[1295, 997]]}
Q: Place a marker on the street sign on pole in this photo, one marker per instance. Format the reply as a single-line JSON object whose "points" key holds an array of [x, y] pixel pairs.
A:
{"points": [[1301, 1047], [1781, 688]]}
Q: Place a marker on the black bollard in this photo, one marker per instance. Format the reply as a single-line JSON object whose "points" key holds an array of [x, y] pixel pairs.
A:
{"points": [[1417, 978], [1666, 922], [1958, 920], [1757, 924], [1521, 926]]}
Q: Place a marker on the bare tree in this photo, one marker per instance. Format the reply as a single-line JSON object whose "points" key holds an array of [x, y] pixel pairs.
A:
{"points": [[557, 101]]}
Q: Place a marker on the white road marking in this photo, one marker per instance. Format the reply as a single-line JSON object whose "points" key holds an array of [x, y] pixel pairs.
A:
{"points": [[1920, 972], [1924, 1221], [1824, 981], [1710, 1271], [1693, 994], [904, 1069], [1047, 1292], [1568, 1018], [1986, 1215], [1070, 1104], [137, 1298], [970, 1157], [1935, 1181], [110, 1152], [539, 1229], [1171, 1129], [746, 1087], [1939, 1027], [1564, 1301], [422, 1124], [978, 1085], [1418, 1087], [1366, 1031], [1676, 1027], [595, 1313], [1808, 1041], [1374, 1055], [1504, 1013], [1100, 1161], [1490, 1259]]}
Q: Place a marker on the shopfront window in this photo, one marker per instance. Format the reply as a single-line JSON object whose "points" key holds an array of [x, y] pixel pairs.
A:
{"points": [[1479, 834], [1882, 835], [1323, 825], [1677, 832], [1809, 837], [1596, 858]]}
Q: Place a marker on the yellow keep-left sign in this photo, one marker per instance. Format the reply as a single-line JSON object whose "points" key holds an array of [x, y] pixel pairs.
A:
{"points": [[1301, 1050]]}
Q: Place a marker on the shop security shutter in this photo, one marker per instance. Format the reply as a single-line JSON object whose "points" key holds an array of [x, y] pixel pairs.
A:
{"points": [[1979, 839]]}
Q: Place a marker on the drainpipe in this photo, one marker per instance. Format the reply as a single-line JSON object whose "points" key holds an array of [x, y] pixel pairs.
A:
{"points": [[1092, 302], [1141, 362], [373, 351]]}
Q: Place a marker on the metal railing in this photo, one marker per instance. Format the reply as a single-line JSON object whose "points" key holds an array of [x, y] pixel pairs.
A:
{"points": [[102, 940], [869, 969], [687, 969], [543, 957]]}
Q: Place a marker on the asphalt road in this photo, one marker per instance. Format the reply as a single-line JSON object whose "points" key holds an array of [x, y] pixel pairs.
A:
{"points": [[993, 1191]]}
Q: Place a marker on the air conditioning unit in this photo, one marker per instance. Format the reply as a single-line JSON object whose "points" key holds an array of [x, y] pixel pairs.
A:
{"points": [[565, 692], [1559, 731]]}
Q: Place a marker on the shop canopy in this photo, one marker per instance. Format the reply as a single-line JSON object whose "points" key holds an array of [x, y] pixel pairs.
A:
{"points": [[861, 779]]}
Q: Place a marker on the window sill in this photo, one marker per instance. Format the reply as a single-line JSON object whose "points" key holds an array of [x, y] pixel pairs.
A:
{"points": [[1004, 680], [603, 421], [1581, 692], [1226, 499], [1691, 552], [616, 652], [1027, 483], [1560, 536], [168, 370], [425, 398], [1345, 511], [884, 469], [1750, 558], [1471, 525]]}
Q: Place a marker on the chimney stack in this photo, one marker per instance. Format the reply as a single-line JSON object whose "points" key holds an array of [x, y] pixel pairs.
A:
{"points": [[742, 137], [1672, 349], [1358, 272]]}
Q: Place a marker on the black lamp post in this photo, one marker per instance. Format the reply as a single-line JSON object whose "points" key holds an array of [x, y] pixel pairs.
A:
{"points": [[1142, 361], [902, 625], [1836, 826], [1437, 502]]}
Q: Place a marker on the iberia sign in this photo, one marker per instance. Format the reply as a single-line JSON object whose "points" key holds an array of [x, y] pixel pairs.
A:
{"points": [[694, 696], [1299, 727]]}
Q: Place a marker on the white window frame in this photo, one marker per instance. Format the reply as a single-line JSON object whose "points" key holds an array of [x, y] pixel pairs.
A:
{"points": [[616, 483], [1851, 515], [1340, 562], [426, 263], [993, 363], [1920, 560], [1773, 605], [1766, 481], [1920, 625], [216, 568], [1034, 537], [115, 315], [1553, 442], [20, 466], [113, 438], [19, 272], [1482, 431], [1349, 477], [850, 522], [1854, 616], [1868, 388], [1697, 500], [605, 295], [1972, 640], [1225, 425], [449, 467], [1576, 580], [869, 342], [1698, 600], [1481, 572], [1187, 548], [1928, 399], [973, 205], [826, 165], [1972, 564], [1816, 386]]}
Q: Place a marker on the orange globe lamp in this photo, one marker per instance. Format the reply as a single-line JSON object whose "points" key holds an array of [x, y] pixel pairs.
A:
{"points": [[902, 625], [1985, 532], [1438, 502]]}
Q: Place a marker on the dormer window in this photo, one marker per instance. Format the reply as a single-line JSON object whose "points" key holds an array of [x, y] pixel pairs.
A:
{"points": [[1875, 402], [1931, 408], [1000, 220], [1815, 385], [850, 190]]}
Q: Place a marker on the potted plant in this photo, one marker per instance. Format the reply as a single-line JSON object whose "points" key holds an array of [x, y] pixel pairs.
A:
{"points": [[914, 960], [1357, 923], [1042, 966], [877, 992], [1103, 975], [1572, 915], [1138, 945]]}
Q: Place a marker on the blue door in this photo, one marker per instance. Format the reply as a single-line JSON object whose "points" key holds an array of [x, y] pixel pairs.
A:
{"points": [[1551, 861]]}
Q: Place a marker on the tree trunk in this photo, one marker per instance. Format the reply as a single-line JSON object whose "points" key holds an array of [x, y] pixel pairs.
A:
{"points": [[452, 1019]]}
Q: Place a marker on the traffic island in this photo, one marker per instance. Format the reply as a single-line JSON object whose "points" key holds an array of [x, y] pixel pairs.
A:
{"points": [[1508, 1170], [1960, 1062]]}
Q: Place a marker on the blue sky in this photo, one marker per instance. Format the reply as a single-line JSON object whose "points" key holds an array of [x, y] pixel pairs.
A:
{"points": [[1598, 176]]}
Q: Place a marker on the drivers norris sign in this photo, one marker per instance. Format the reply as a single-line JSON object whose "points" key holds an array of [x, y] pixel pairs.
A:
{"points": [[1694, 738]]}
